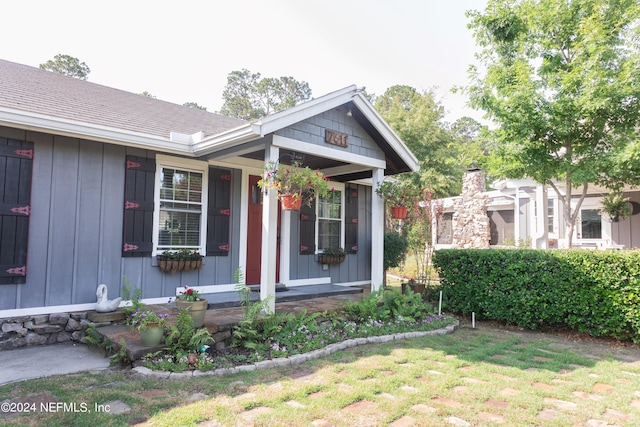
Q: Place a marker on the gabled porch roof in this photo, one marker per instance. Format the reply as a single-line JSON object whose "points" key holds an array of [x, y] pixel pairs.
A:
{"points": [[398, 159]]}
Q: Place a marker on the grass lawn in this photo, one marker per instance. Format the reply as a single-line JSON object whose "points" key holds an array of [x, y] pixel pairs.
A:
{"points": [[475, 377]]}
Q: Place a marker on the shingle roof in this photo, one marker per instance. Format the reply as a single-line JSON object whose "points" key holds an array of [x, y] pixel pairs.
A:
{"points": [[44, 92]]}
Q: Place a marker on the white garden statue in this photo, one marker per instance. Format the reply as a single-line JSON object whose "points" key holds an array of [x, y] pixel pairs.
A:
{"points": [[104, 305]]}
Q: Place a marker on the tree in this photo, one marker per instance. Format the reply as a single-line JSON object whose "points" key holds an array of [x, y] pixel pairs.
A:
{"points": [[417, 118], [148, 94], [248, 96], [67, 66], [194, 105], [561, 79]]}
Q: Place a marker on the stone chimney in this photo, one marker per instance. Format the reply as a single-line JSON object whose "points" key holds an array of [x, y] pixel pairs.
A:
{"points": [[470, 222]]}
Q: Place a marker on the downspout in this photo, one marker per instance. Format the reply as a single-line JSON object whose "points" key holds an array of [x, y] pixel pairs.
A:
{"points": [[541, 236]]}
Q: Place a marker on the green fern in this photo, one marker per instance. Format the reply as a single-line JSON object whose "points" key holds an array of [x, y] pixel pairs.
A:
{"points": [[120, 357]]}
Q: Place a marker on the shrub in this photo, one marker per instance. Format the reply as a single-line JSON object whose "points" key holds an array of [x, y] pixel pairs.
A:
{"points": [[395, 249], [590, 291]]}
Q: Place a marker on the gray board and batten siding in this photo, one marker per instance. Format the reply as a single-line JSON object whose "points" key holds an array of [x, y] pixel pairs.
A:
{"points": [[312, 130], [75, 237], [76, 228]]}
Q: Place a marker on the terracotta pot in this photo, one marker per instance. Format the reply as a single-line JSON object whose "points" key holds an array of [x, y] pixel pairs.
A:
{"points": [[291, 202], [197, 309], [399, 212]]}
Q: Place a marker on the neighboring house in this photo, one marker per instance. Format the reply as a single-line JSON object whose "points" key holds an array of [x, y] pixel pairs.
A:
{"points": [[525, 214], [95, 182]]}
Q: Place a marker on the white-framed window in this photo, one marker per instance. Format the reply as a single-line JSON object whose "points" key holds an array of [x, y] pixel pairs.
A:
{"points": [[330, 219], [180, 204], [590, 223]]}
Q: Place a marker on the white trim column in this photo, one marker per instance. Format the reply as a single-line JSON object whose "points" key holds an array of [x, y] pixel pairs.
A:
{"points": [[269, 238], [244, 223], [285, 246], [377, 233]]}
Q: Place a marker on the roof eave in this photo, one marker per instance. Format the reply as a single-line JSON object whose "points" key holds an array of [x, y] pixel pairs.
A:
{"points": [[48, 124], [227, 139]]}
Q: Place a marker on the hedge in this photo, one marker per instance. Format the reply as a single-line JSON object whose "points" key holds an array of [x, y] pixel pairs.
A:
{"points": [[595, 292]]}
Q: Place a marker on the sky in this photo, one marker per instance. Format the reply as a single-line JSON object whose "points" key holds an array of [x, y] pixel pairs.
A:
{"points": [[183, 51]]}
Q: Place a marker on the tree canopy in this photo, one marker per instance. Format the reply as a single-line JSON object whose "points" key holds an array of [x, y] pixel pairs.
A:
{"points": [[561, 79], [194, 105], [249, 96], [443, 151], [68, 66]]}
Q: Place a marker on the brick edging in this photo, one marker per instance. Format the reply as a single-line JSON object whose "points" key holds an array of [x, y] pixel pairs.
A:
{"points": [[295, 359]]}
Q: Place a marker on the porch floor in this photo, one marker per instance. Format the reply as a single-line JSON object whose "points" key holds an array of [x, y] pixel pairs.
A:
{"points": [[224, 311]]}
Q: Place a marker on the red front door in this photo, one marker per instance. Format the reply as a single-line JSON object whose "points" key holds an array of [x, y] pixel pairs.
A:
{"points": [[254, 234]]}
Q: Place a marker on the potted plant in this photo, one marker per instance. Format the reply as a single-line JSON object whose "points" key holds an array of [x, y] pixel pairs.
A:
{"points": [[193, 301], [414, 286], [294, 183], [398, 197], [616, 206], [149, 325], [332, 256], [182, 260]]}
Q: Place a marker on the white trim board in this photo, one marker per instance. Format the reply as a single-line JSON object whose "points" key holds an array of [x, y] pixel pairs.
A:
{"points": [[309, 282], [330, 153]]}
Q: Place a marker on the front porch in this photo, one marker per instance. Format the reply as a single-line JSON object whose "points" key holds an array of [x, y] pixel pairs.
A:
{"points": [[225, 312]]}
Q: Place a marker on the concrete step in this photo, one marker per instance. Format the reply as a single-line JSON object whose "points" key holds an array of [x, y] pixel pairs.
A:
{"points": [[283, 294]]}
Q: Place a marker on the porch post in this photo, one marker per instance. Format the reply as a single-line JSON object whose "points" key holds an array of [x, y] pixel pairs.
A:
{"points": [[269, 238], [377, 233], [285, 246]]}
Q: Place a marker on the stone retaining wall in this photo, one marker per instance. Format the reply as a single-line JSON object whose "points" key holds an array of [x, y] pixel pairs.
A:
{"points": [[43, 329]]}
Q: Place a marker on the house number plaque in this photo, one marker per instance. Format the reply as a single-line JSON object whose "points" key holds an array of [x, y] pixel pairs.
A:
{"points": [[336, 138]]}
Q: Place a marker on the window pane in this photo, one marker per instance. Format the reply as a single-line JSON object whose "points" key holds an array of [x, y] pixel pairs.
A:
{"points": [[331, 205], [179, 229], [329, 234], [180, 209], [181, 185], [591, 224], [550, 214]]}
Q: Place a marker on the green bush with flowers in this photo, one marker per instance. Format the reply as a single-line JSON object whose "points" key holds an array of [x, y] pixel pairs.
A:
{"points": [[142, 319], [302, 182], [189, 295]]}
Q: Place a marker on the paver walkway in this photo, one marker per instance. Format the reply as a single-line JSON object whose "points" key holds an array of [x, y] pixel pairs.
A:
{"points": [[412, 383], [403, 392]]}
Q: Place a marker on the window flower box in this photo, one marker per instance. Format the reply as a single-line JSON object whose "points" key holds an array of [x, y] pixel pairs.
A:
{"points": [[332, 256], [183, 260]]}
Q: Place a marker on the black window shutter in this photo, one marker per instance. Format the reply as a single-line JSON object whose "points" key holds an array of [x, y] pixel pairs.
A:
{"points": [[351, 219], [138, 206], [16, 162], [308, 229], [219, 212]]}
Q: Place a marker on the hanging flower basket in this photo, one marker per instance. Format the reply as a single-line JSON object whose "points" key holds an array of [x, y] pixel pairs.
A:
{"points": [[291, 202], [294, 179], [399, 212]]}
